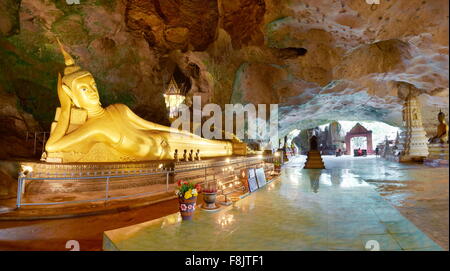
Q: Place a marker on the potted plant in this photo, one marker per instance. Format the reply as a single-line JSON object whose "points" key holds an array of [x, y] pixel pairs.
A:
{"points": [[187, 194], [209, 195]]}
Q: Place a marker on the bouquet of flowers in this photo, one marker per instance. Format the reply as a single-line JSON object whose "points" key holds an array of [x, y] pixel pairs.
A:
{"points": [[187, 190]]}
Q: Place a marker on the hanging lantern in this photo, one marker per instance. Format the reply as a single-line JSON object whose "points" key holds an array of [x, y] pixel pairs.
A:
{"points": [[173, 98]]}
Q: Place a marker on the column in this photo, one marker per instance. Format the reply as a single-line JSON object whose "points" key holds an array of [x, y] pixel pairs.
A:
{"points": [[369, 144]]}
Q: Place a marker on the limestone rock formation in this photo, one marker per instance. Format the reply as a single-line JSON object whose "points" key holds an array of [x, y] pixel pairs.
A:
{"points": [[172, 24], [9, 17], [242, 20], [8, 179], [319, 60], [13, 126], [355, 49]]}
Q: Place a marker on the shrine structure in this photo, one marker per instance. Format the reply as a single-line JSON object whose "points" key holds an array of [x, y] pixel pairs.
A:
{"points": [[358, 131]]}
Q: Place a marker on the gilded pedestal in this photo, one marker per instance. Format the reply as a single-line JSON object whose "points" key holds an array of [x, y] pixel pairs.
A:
{"points": [[438, 155], [314, 160]]}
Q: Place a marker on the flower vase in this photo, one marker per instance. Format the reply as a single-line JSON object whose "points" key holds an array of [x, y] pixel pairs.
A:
{"points": [[210, 200], [187, 207]]}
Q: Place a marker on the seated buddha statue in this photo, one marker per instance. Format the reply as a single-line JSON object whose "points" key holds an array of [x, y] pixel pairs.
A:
{"points": [[84, 131], [438, 144], [442, 130]]}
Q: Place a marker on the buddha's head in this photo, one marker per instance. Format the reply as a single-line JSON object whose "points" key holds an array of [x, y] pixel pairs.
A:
{"points": [[78, 84], [441, 117]]}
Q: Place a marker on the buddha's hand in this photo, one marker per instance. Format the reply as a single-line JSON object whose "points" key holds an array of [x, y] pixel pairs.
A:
{"points": [[64, 99], [63, 123]]}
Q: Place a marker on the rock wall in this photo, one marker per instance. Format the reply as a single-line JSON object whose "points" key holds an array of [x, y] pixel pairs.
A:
{"points": [[319, 60], [355, 56], [125, 66]]}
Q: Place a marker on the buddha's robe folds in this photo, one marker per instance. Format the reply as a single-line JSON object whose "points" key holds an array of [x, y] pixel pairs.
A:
{"points": [[120, 135]]}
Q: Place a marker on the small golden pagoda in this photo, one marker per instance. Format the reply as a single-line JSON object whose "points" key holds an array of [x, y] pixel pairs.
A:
{"points": [[314, 159]]}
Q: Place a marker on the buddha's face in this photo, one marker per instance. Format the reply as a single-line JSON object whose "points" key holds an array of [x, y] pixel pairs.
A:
{"points": [[441, 118], [85, 91]]}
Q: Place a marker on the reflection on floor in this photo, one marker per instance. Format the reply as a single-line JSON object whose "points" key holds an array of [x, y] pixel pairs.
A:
{"points": [[331, 209], [419, 192]]}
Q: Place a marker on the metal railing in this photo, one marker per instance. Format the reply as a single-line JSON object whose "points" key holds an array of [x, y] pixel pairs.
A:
{"points": [[170, 175], [38, 136]]}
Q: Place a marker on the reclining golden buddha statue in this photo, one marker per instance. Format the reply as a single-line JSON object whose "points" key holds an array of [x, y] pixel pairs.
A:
{"points": [[84, 131]]}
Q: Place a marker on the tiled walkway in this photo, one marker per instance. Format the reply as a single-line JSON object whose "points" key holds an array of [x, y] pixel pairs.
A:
{"points": [[330, 209]]}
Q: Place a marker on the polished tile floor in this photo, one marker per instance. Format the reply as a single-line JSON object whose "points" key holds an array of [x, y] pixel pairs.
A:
{"points": [[305, 209]]}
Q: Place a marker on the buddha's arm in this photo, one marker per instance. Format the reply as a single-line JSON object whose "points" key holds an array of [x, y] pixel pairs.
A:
{"points": [[141, 123], [443, 132], [82, 139], [64, 118]]}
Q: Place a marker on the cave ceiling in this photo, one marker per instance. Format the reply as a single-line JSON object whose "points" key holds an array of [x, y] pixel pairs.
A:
{"points": [[319, 60]]}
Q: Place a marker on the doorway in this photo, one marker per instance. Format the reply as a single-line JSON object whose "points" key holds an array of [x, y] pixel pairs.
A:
{"points": [[358, 142]]}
